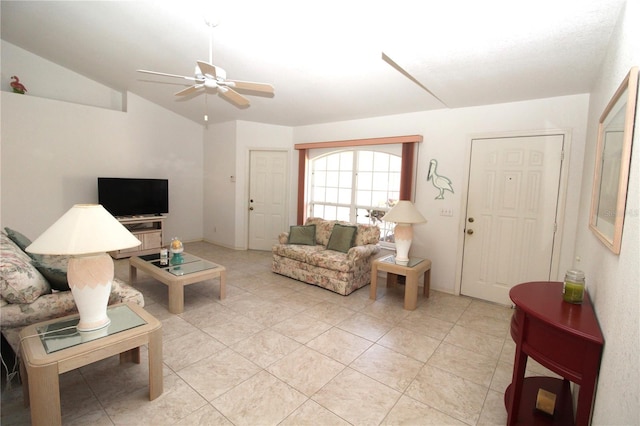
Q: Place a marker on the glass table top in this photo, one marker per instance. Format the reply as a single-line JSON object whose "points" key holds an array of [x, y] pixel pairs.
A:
{"points": [[187, 264], [155, 260], [64, 334], [191, 267], [413, 261]]}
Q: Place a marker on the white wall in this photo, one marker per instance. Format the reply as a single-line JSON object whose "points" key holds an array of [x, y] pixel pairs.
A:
{"points": [[53, 151], [45, 79], [226, 153], [219, 157], [612, 280], [68, 130], [447, 134]]}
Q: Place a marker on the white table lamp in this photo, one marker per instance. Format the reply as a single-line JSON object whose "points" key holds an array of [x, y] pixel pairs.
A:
{"points": [[87, 232], [404, 214]]}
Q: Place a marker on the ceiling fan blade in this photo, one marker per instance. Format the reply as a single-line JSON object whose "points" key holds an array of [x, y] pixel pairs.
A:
{"points": [[189, 90], [168, 75], [207, 68], [409, 76], [250, 85], [234, 96]]}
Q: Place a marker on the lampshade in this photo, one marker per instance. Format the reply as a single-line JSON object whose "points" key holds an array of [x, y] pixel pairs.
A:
{"points": [[85, 228], [404, 212]]}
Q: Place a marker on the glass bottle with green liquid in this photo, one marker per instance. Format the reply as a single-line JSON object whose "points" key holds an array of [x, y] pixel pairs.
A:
{"points": [[573, 288]]}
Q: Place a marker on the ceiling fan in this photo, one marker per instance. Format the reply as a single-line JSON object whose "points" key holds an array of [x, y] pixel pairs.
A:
{"points": [[391, 62], [209, 76]]}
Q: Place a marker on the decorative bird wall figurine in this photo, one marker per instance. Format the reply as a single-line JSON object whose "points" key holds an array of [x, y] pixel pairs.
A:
{"points": [[442, 183], [17, 86]]}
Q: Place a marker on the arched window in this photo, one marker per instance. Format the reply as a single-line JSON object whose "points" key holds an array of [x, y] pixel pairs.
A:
{"points": [[356, 180], [355, 185]]}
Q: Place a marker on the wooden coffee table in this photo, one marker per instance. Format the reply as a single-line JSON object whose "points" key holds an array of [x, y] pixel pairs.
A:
{"points": [[53, 347], [411, 271], [176, 276]]}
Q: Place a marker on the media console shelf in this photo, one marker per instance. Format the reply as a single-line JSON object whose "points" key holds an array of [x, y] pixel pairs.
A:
{"points": [[563, 337], [148, 229]]}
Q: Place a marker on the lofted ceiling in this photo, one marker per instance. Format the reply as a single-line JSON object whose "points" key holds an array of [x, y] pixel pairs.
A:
{"points": [[324, 58]]}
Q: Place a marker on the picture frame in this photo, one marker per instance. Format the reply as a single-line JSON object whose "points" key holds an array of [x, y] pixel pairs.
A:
{"points": [[612, 162]]}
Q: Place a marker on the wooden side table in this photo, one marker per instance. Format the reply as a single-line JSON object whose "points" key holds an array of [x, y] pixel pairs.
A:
{"points": [[63, 349], [565, 338], [411, 272]]}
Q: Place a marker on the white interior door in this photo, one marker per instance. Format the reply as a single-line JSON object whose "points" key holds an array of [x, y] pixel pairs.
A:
{"points": [[511, 214], [267, 198]]}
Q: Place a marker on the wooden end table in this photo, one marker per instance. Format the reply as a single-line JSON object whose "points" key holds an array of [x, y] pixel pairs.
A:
{"points": [[176, 276], [411, 271], [63, 348], [563, 337]]}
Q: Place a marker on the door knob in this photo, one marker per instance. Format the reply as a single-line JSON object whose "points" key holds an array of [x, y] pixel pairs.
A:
{"points": [[250, 208], [470, 231], [471, 220]]}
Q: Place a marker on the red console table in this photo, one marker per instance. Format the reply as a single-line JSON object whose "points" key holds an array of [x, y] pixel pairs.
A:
{"points": [[565, 338]]}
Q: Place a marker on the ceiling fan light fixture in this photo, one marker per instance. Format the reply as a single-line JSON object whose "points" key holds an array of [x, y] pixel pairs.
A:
{"points": [[211, 20]]}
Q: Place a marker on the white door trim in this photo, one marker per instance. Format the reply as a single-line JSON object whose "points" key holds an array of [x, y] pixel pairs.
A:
{"points": [[562, 194]]}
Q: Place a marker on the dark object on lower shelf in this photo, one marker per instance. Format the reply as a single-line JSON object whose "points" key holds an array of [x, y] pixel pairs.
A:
{"points": [[564, 404]]}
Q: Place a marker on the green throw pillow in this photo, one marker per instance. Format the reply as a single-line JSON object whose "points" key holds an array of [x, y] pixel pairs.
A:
{"points": [[20, 240], [57, 277], [53, 268], [342, 237], [305, 235]]}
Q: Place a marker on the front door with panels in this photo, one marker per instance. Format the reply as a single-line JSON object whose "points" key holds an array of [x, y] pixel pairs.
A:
{"points": [[268, 177], [512, 202]]}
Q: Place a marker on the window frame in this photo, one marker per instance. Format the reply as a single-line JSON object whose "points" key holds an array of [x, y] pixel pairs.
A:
{"points": [[407, 173], [355, 170]]}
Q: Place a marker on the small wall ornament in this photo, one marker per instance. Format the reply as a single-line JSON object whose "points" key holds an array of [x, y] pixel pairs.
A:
{"points": [[17, 86], [442, 183]]}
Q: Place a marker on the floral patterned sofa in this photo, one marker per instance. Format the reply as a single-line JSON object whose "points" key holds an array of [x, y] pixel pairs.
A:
{"points": [[341, 268], [35, 289]]}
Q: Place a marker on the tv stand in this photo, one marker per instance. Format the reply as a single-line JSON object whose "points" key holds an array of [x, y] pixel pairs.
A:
{"points": [[148, 229]]}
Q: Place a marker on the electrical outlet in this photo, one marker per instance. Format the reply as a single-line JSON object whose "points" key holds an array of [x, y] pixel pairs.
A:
{"points": [[446, 212]]}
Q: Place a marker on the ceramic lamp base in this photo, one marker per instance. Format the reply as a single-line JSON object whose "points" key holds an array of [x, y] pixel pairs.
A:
{"points": [[403, 234], [90, 279]]}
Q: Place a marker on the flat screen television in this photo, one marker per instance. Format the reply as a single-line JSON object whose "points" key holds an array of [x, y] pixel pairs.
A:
{"points": [[134, 197]]}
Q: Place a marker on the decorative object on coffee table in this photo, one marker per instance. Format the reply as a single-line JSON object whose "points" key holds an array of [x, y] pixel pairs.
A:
{"points": [[176, 248], [404, 214], [86, 232]]}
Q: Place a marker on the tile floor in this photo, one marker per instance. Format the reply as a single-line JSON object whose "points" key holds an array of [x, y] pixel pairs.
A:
{"points": [[280, 352]]}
